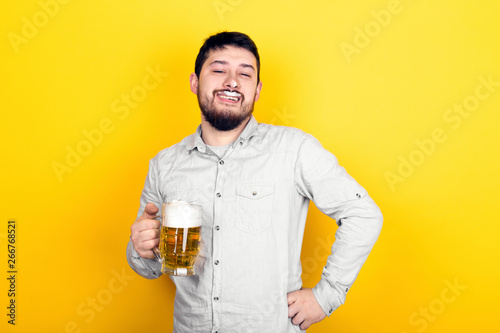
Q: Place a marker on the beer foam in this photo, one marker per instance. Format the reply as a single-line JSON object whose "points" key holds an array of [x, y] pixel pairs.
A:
{"points": [[180, 214]]}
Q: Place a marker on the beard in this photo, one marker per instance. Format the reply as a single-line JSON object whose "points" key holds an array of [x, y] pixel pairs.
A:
{"points": [[227, 118]]}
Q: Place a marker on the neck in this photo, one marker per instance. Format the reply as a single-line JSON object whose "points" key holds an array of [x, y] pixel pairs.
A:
{"points": [[213, 137]]}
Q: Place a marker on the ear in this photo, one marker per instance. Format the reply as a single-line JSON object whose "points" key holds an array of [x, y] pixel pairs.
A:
{"points": [[193, 82], [257, 91]]}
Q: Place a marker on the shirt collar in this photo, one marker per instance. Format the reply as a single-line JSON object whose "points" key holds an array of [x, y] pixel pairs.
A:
{"points": [[195, 140]]}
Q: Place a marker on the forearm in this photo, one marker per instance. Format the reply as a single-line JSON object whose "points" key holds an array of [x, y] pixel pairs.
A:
{"points": [[357, 233], [148, 268]]}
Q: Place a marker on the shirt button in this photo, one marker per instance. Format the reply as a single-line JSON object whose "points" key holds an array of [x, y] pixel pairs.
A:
{"points": [[218, 195], [217, 227], [331, 310], [216, 262], [221, 162], [254, 193], [216, 298], [241, 142]]}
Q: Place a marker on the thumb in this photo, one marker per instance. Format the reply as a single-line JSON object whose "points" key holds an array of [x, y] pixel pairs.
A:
{"points": [[150, 210]]}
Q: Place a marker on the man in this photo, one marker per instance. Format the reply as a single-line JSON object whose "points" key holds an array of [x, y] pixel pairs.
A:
{"points": [[254, 182]]}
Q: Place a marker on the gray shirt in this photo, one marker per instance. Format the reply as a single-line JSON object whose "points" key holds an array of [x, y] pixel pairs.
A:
{"points": [[255, 202]]}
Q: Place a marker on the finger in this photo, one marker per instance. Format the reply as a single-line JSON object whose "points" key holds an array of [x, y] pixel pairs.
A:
{"points": [[291, 297], [150, 244], [293, 310], [298, 319], [147, 254], [143, 231], [150, 211], [149, 234], [305, 324], [145, 224], [146, 247]]}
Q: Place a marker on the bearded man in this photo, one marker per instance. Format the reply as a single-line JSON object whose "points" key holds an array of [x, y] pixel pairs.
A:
{"points": [[254, 182]]}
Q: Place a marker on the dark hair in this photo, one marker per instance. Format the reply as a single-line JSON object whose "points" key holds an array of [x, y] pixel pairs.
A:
{"points": [[220, 41]]}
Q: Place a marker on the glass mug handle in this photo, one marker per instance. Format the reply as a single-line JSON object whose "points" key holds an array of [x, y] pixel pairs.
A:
{"points": [[156, 249]]}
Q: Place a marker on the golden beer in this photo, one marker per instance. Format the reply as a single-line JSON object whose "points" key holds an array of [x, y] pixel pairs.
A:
{"points": [[179, 247], [179, 238]]}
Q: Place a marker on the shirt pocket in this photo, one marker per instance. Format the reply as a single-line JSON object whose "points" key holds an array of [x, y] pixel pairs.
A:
{"points": [[254, 207]]}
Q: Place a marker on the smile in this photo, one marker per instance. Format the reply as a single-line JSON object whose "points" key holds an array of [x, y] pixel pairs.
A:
{"points": [[227, 95]]}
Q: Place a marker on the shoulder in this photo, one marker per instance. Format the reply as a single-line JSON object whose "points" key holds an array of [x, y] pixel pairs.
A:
{"points": [[283, 137], [170, 156]]}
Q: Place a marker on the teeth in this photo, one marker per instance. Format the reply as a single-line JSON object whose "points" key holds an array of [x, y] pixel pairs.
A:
{"points": [[228, 97]]}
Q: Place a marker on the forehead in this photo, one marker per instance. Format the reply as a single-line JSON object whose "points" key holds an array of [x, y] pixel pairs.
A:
{"points": [[233, 55]]}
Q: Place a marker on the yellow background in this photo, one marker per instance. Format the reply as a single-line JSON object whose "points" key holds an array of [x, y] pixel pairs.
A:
{"points": [[369, 107]]}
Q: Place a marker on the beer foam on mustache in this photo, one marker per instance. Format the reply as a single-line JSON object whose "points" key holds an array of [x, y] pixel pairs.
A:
{"points": [[180, 214]]}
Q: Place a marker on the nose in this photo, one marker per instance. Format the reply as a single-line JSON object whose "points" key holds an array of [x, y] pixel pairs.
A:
{"points": [[231, 82]]}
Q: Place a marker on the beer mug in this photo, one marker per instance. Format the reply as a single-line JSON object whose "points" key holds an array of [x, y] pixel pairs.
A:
{"points": [[179, 238]]}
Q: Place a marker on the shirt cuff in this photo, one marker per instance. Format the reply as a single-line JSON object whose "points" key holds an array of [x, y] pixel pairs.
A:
{"points": [[148, 268], [327, 297]]}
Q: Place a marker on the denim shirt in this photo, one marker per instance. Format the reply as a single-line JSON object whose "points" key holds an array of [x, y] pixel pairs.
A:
{"points": [[255, 201]]}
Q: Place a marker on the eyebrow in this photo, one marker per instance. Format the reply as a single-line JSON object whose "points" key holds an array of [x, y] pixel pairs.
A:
{"points": [[223, 62]]}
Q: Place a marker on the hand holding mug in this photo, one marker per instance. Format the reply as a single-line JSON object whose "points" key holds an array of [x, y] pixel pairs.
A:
{"points": [[145, 232]]}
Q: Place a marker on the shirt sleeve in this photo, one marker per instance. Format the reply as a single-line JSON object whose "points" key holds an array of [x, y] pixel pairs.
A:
{"points": [[320, 178], [148, 268]]}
